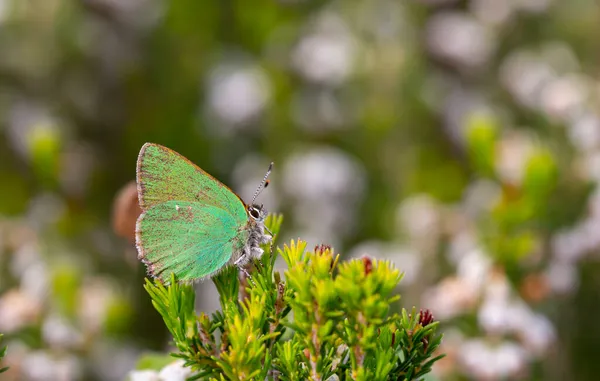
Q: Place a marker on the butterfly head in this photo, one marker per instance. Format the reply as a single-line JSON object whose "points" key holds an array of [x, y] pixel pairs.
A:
{"points": [[257, 212]]}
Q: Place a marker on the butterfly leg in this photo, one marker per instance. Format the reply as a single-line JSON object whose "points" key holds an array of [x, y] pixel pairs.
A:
{"points": [[246, 273], [240, 263], [268, 231]]}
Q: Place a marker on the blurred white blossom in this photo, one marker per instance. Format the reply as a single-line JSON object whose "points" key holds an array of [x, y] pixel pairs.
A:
{"points": [[450, 297], [24, 257], [524, 75], [172, 372], [94, 297], [562, 277], [143, 375], [175, 372], [513, 152], [584, 132], [44, 366], [537, 334], [35, 281], [488, 361], [479, 197], [237, 92], [59, 333], [326, 54], [460, 39], [563, 97], [419, 217], [18, 310], [4, 10], [571, 244], [325, 185], [474, 268], [324, 175]]}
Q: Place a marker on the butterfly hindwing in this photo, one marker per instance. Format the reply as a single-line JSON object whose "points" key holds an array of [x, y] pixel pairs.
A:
{"points": [[188, 239], [164, 175]]}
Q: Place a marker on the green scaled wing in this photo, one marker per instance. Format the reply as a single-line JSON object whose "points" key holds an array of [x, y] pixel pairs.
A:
{"points": [[191, 223], [187, 238], [164, 175]]}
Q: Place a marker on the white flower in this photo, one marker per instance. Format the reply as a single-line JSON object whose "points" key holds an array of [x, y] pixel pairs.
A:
{"points": [[17, 310], [492, 362], [524, 75], [57, 332], [513, 153], [42, 366], [563, 97], [175, 372], [584, 132], [326, 55], [237, 93], [325, 185], [460, 39], [172, 372], [143, 375]]}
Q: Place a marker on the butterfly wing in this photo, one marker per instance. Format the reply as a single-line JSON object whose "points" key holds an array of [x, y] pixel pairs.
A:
{"points": [[188, 239], [163, 175]]}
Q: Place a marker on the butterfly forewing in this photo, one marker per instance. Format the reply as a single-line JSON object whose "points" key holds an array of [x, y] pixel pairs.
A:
{"points": [[187, 238], [164, 175]]}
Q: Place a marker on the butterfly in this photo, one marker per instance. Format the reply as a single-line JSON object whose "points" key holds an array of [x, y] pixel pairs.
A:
{"points": [[191, 224]]}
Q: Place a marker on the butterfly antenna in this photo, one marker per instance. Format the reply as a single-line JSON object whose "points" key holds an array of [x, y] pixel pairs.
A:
{"points": [[263, 183]]}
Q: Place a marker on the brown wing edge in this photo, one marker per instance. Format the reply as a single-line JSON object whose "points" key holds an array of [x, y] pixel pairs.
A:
{"points": [[138, 170], [140, 247]]}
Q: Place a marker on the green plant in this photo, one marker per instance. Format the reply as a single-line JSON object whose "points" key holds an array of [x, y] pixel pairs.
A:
{"points": [[341, 326]]}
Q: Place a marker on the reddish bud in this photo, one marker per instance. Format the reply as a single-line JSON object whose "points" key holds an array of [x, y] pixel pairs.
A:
{"points": [[368, 263], [322, 249], [425, 317]]}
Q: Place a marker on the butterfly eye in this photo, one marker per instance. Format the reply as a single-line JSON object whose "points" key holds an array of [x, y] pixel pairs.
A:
{"points": [[254, 213]]}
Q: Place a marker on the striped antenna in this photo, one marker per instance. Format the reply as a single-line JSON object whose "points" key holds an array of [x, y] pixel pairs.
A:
{"points": [[263, 184]]}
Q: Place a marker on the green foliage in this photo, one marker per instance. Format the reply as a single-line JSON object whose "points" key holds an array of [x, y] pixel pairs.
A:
{"points": [[481, 140], [2, 354], [341, 326]]}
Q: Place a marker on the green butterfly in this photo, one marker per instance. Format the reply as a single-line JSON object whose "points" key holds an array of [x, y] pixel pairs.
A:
{"points": [[192, 225]]}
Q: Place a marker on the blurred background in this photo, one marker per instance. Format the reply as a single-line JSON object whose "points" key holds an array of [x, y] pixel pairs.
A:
{"points": [[459, 139]]}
